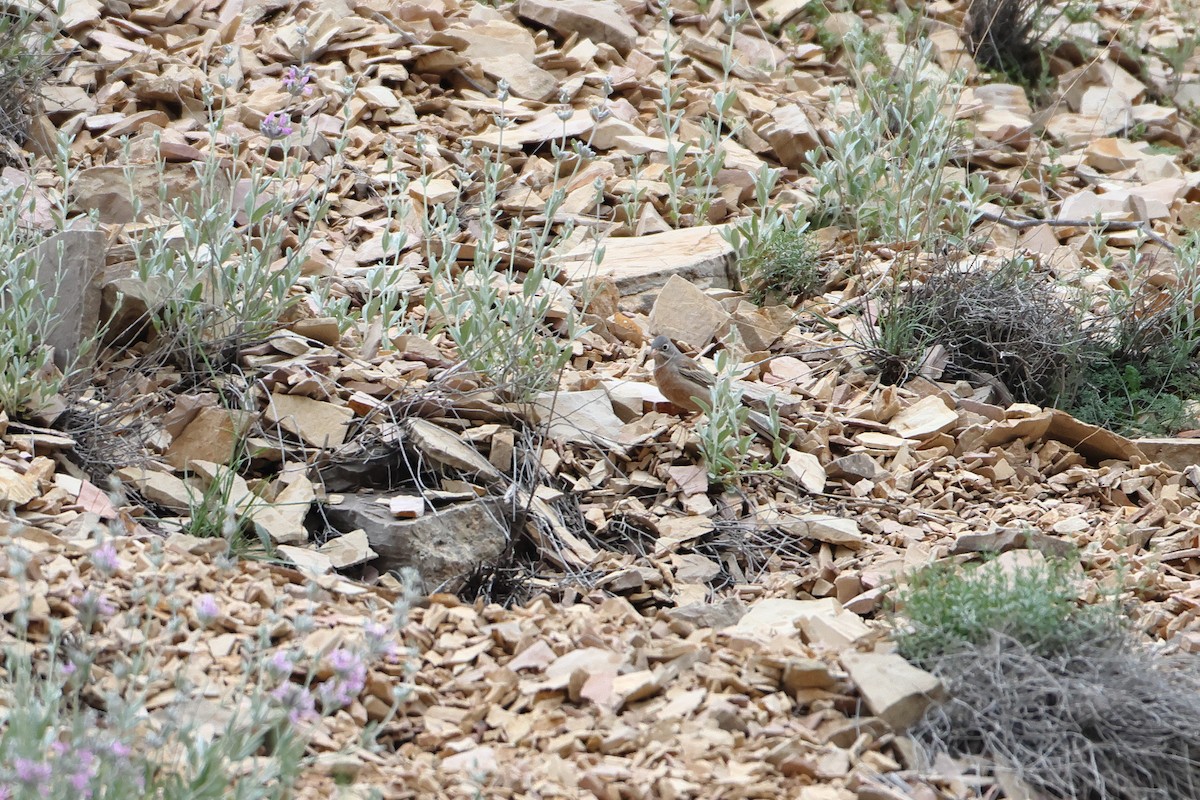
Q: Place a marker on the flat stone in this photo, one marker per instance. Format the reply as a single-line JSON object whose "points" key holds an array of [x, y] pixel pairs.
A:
{"points": [[110, 191], [212, 435], [856, 467], [1092, 442], [318, 423], [443, 546], [806, 673], [447, 449], [1112, 155], [824, 621], [685, 313], [791, 135], [161, 488], [71, 270], [348, 550], [597, 20], [525, 80], [640, 266], [1006, 539], [1176, 453], [825, 528], [709, 615], [893, 689], [925, 418], [306, 560], [588, 417]]}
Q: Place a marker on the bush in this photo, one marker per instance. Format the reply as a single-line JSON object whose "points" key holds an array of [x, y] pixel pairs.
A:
{"points": [[1008, 36], [1055, 691], [27, 375], [784, 263], [949, 609], [1006, 323], [87, 714], [884, 173], [1148, 366]]}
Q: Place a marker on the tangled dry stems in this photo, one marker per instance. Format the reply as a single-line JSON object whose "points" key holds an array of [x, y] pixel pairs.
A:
{"points": [[1103, 721], [1010, 324], [1006, 36]]}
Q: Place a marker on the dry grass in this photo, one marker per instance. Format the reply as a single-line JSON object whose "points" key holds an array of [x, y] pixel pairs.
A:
{"points": [[1009, 324], [1103, 721]]}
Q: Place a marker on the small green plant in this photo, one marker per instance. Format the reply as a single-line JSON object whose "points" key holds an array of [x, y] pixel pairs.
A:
{"points": [[497, 316], [1057, 692], [725, 441], [28, 377], [512, 323], [784, 263], [946, 608], [29, 305], [1146, 366], [894, 332], [80, 718], [221, 273], [884, 173], [25, 48]]}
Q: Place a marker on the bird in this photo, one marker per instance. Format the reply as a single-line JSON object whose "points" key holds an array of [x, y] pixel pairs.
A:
{"points": [[682, 380]]}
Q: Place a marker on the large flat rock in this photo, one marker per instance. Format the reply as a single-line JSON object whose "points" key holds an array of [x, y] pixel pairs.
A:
{"points": [[1176, 453], [641, 265]]}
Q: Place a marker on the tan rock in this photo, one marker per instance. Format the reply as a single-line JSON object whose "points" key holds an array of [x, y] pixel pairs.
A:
{"points": [[641, 266], [16, 488], [1113, 155], [806, 470], [597, 20], [825, 528], [1176, 453], [212, 435], [821, 621], [348, 550], [893, 689], [791, 134], [925, 418], [686, 314], [161, 488], [317, 422]]}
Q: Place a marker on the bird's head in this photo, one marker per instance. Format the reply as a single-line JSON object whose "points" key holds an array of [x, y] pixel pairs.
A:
{"points": [[662, 349]]}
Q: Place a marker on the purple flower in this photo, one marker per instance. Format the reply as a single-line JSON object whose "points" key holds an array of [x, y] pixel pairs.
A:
{"points": [[296, 700], [5, 793], [334, 695], [33, 774], [296, 80], [67, 669], [120, 749], [344, 661], [93, 604], [206, 608], [80, 781], [104, 558], [379, 642], [281, 663], [276, 125]]}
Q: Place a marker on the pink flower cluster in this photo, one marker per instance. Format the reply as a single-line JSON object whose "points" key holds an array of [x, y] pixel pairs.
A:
{"points": [[276, 125], [296, 80], [349, 678]]}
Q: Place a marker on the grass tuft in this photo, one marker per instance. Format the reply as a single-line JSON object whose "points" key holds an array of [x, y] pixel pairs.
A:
{"points": [[1057, 692], [784, 263]]}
